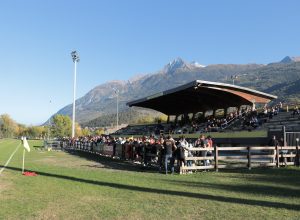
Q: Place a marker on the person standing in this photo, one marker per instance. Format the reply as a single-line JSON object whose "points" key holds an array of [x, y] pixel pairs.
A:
{"points": [[169, 145], [210, 146], [182, 150], [201, 142], [273, 142]]}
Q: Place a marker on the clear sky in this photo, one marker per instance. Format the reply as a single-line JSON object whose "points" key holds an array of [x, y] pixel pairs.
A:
{"points": [[119, 39]]}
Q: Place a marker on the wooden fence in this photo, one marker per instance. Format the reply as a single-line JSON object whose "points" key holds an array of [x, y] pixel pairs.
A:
{"points": [[244, 157]]}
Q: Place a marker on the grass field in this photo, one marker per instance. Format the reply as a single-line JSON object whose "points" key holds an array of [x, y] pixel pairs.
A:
{"points": [[79, 186]]}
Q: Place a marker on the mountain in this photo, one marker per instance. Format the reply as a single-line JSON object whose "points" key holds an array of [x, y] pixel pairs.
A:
{"points": [[282, 79], [289, 59]]}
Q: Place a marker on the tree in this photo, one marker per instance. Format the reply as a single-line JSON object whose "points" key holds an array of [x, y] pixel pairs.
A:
{"points": [[61, 126], [8, 126], [35, 131], [86, 132], [78, 130], [161, 118], [99, 131], [146, 120], [20, 130]]}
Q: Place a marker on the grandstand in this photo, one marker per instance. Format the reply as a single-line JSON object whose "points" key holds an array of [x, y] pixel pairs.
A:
{"points": [[185, 103], [195, 108], [202, 96]]}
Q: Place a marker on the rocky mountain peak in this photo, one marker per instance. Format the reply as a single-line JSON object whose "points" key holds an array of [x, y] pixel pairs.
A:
{"points": [[178, 63], [289, 59]]}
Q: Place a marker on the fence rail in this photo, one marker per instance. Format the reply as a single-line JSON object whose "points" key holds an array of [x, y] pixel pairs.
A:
{"points": [[218, 158]]}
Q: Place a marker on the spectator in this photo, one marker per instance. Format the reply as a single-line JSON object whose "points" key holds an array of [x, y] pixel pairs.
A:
{"points": [[180, 151], [209, 145], [170, 147]]}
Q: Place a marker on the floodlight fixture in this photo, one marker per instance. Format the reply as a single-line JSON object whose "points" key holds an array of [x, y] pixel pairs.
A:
{"points": [[75, 56]]}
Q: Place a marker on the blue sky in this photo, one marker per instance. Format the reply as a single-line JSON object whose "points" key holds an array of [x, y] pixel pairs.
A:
{"points": [[119, 39]]}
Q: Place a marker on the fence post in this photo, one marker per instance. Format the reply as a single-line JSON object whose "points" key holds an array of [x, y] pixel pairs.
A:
{"points": [[132, 151], [284, 136], [297, 152], [181, 167], [123, 152], [216, 158], [277, 155], [144, 154], [249, 157]]}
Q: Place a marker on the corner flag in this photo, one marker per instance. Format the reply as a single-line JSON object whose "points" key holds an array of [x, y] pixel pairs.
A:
{"points": [[25, 144]]}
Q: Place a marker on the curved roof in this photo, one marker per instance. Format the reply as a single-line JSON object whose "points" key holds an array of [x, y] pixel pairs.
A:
{"points": [[199, 96]]}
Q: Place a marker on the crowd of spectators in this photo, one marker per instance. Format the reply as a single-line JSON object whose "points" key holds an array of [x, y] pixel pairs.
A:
{"points": [[247, 118], [161, 151]]}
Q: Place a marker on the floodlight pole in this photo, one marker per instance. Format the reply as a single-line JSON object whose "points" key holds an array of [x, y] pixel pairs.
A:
{"points": [[75, 58], [49, 126], [297, 152], [117, 93], [118, 110]]}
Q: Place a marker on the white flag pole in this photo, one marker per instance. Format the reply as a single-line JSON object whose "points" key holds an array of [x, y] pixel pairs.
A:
{"points": [[23, 161]]}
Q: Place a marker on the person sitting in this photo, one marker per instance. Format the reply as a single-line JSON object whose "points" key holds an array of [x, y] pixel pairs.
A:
{"points": [[296, 111]]}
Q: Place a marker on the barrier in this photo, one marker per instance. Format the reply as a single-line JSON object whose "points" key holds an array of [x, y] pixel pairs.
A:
{"points": [[220, 157], [247, 157]]}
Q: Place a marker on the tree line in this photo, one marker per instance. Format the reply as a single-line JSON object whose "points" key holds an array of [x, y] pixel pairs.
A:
{"points": [[126, 117], [60, 126]]}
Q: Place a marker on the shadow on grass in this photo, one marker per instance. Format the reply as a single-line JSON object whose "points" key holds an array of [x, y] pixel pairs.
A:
{"points": [[109, 163], [294, 207], [38, 147], [260, 181], [287, 176], [253, 188]]}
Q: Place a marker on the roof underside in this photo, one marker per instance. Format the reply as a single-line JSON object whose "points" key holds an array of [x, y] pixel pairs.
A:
{"points": [[199, 96]]}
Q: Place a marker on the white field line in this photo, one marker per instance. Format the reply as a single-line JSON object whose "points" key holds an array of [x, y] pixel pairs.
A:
{"points": [[11, 156]]}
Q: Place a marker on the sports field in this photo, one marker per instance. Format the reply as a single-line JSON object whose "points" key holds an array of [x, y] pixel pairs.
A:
{"points": [[78, 186]]}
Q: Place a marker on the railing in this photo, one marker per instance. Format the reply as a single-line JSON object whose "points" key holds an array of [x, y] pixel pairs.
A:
{"points": [[246, 157], [221, 157]]}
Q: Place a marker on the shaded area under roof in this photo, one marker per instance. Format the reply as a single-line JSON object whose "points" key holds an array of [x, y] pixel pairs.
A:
{"points": [[200, 96]]}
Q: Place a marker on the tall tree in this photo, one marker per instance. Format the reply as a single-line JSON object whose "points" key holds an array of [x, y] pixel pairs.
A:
{"points": [[35, 131], [8, 126], [61, 126]]}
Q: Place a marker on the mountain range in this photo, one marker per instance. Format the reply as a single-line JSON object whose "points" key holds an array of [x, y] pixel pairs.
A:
{"points": [[98, 106]]}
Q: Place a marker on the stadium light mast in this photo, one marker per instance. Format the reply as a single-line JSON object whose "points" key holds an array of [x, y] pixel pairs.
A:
{"points": [[49, 126], [117, 93], [75, 58]]}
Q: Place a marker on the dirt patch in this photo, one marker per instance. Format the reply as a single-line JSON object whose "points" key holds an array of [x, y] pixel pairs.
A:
{"points": [[4, 186], [52, 211]]}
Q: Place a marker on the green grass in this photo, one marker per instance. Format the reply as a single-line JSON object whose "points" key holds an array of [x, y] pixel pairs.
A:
{"points": [[78, 186]]}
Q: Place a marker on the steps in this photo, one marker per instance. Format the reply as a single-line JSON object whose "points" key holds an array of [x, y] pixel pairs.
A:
{"points": [[291, 123]]}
